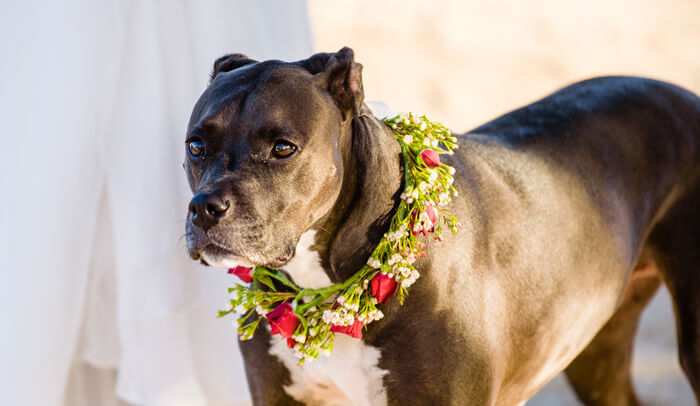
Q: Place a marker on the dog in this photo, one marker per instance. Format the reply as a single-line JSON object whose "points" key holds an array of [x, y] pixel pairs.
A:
{"points": [[574, 209]]}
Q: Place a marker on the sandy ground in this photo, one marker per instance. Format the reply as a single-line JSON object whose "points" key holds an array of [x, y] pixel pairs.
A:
{"points": [[464, 63]]}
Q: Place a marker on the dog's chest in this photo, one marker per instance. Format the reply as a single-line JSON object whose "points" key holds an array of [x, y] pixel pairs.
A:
{"points": [[305, 268], [350, 376]]}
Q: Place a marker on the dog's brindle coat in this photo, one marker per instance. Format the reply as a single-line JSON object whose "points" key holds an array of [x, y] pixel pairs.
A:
{"points": [[573, 209]]}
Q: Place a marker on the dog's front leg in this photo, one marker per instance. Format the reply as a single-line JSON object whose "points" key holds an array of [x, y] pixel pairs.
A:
{"points": [[266, 374]]}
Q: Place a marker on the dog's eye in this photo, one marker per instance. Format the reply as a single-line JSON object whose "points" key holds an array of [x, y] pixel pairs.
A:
{"points": [[283, 149], [195, 148]]}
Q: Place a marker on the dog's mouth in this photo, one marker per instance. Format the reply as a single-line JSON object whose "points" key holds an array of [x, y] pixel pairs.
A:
{"points": [[211, 252]]}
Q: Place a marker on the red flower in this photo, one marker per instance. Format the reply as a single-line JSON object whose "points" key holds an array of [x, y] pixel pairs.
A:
{"points": [[354, 330], [383, 287], [245, 274], [432, 215], [431, 158], [283, 321], [291, 343]]}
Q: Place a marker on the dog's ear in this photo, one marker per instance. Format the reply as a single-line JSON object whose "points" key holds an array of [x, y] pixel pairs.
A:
{"points": [[341, 76], [228, 63], [315, 63]]}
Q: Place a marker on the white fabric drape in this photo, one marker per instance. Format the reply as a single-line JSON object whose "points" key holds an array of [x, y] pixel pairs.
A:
{"points": [[94, 102]]}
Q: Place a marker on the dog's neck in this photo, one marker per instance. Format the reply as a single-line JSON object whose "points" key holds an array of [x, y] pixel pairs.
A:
{"points": [[372, 182]]}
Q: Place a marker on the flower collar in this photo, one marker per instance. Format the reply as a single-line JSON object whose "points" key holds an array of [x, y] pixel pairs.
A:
{"points": [[308, 318]]}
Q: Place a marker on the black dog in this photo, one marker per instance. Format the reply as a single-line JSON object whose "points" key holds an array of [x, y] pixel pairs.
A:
{"points": [[573, 210]]}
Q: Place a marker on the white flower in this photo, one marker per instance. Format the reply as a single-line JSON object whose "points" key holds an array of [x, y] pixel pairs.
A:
{"points": [[433, 176], [336, 319], [426, 142], [327, 316], [408, 139], [300, 339], [409, 200], [423, 126], [396, 235], [341, 299], [414, 194], [422, 186], [259, 309], [240, 309], [450, 180], [452, 170], [456, 193], [373, 262], [403, 196]]}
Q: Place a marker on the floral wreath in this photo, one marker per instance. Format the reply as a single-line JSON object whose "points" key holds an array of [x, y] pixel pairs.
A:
{"points": [[308, 318]]}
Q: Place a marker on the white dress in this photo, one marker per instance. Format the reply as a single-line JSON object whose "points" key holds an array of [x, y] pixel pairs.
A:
{"points": [[94, 102]]}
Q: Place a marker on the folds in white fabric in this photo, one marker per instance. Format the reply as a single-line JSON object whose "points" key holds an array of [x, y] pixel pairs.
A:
{"points": [[94, 108]]}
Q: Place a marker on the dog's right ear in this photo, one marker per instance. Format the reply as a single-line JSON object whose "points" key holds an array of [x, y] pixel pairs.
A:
{"points": [[341, 76], [228, 63], [315, 63]]}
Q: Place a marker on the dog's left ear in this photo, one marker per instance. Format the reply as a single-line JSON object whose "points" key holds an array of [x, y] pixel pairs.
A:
{"points": [[341, 76], [228, 63]]}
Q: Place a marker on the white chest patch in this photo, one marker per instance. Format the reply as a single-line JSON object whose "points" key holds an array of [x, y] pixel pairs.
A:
{"points": [[305, 268], [350, 376]]}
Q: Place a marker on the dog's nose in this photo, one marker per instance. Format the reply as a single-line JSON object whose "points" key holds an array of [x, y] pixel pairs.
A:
{"points": [[207, 209]]}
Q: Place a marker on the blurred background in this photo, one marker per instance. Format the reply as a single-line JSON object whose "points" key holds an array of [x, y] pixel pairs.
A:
{"points": [[100, 304], [466, 62]]}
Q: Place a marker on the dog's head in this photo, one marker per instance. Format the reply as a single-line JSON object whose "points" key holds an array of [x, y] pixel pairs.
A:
{"points": [[264, 154]]}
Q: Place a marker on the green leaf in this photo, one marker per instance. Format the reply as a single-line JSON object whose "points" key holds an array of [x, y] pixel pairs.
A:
{"points": [[264, 279]]}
